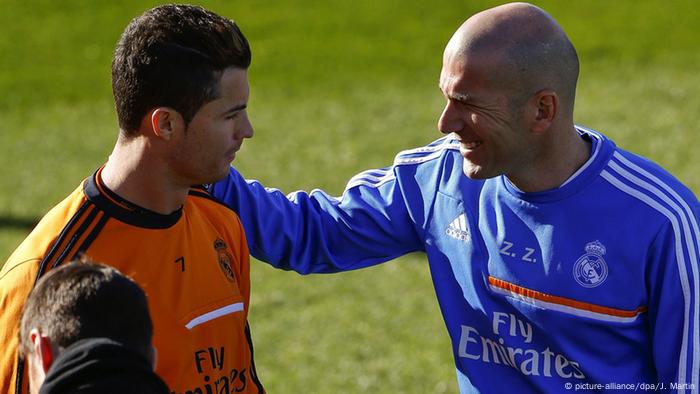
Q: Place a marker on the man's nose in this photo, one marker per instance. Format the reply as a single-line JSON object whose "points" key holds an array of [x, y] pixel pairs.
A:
{"points": [[245, 129], [450, 119]]}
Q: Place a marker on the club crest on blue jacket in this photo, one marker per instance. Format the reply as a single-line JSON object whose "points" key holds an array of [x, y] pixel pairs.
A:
{"points": [[591, 270]]}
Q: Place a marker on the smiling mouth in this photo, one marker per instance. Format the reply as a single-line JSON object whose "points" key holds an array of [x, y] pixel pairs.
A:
{"points": [[469, 150], [471, 145]]}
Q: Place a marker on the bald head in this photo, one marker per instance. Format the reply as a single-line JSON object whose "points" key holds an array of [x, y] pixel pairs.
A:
{"points": [[529, 50]]}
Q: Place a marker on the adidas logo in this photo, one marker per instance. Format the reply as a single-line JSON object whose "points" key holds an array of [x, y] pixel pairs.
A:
{"points": [[458, 229]]}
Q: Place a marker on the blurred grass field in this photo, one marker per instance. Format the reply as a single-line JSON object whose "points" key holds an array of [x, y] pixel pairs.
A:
{"points": [[336, 87]]}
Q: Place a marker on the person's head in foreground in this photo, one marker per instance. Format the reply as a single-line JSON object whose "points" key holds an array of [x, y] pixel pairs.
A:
{"points": [[509, 75], [86, 327], [180, 85]]}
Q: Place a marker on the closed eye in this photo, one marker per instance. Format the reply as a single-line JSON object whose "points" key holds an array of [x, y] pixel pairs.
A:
{"points": [[233, 112]]}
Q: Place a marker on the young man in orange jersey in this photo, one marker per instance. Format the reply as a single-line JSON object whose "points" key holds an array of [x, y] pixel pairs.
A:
{"points": [[181, 89]]}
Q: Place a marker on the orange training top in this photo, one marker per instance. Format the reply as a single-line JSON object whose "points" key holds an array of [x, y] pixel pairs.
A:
{"points": [[193, 265]]}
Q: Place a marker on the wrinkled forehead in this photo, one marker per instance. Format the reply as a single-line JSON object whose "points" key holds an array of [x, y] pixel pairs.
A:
{"points": [[461, 63], [458, 82], [452, 76]]}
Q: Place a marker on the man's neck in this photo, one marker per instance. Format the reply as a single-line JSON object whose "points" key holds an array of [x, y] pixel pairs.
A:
{"points": [[142, 179], [557, 163]]}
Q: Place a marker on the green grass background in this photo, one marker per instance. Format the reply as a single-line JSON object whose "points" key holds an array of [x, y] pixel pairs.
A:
{"points": [[337, 87]]}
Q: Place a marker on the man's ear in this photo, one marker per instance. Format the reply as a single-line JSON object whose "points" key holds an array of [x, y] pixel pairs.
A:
{"points": [[543, 106], [166, 122], [42, 349]]}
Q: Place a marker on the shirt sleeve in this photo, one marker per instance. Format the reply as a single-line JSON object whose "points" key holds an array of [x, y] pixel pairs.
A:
{"points": [[673, 303], [316, 233], [16, 281]]}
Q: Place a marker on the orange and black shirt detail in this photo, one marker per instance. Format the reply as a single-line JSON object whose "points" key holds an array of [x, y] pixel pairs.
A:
{"points": [[193, 265]]}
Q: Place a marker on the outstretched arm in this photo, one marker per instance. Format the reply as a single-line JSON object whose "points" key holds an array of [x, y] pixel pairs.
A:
{"points": [[316, 233]]}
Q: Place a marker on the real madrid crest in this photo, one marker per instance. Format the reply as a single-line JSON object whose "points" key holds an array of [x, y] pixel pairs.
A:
{"points": [[224, 259], [591, 270]]}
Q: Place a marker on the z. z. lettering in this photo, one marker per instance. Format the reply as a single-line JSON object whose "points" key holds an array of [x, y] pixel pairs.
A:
{"points": [[525, 253]]}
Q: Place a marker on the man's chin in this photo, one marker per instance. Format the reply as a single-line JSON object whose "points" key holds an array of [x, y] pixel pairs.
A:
{"points": [[214, 177], [473, 171], [221, 175]]}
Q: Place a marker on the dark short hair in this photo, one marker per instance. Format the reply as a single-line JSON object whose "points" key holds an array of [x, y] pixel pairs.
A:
{"points": [[86, 300], [173, 56]]}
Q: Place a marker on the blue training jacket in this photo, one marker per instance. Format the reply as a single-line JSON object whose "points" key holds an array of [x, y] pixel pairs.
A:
{"points": [[593, 285]]}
